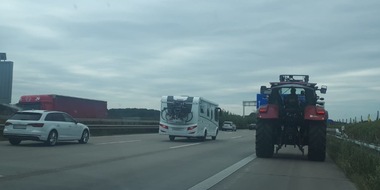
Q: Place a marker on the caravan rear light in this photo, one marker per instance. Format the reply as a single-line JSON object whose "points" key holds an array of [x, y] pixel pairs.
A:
{"points": [[164, 126], [263, 109], [36, 124], [191, 128]]}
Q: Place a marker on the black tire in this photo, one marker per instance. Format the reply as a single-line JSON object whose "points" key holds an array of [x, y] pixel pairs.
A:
{"points": [[264, 139], [214, 137], [203, 138], [317, 141], [14, 141], [85, 137], [52, 138], [171, 137]]}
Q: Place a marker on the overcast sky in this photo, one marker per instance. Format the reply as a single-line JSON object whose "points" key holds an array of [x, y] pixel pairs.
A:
{"points": [[131, 52]]}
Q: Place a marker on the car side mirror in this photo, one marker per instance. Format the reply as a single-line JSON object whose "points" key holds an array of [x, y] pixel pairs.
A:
{"points": [[323, 89], [263, 89]]}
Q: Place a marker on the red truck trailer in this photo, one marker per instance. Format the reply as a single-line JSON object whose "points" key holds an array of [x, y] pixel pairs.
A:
{"points": [[76, 107]]}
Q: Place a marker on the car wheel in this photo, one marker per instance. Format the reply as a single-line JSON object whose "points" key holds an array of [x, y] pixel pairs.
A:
{"points": [[14, 141], [52, 138], [85, 137]]}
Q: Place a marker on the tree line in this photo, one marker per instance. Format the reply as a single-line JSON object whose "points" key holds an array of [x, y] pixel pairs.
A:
{"points": [[151, 114], [240, 121]]}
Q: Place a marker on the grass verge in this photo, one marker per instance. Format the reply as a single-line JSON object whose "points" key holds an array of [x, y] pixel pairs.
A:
{"points": [[360, 164]]}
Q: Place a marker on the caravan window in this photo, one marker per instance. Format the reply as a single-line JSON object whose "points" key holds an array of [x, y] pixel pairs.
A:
{"points": [[216, 114]]}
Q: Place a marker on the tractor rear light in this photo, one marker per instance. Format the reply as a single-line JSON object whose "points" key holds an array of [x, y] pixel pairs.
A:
{"points": [[320, 111], [191, 128], [263, 109], [36, 124], [164, 126]]}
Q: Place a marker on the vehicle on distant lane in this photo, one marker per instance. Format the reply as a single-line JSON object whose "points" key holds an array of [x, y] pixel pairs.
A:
{"points": [[228, 126], [252, 126], [47, 126], [188, 116]]}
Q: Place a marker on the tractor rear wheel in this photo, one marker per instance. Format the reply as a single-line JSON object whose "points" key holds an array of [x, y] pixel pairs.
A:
{"points": [[317, 141], [264, 139]]}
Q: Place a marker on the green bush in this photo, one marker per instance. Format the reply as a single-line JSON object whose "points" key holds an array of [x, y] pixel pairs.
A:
{"points": [[360, 164]]}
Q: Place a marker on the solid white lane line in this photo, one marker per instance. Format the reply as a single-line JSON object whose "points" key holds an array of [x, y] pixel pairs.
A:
{"points": [[213, 180], [181, 146], [236, 137], [118, 142]]}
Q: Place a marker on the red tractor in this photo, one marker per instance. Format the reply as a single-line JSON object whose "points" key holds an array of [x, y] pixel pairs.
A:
{"points": [[294, 115]]}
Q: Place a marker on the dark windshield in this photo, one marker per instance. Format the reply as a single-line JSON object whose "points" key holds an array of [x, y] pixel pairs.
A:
{"points": [[305, 95]]}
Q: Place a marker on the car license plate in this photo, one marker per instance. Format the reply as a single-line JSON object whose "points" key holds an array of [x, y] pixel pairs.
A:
{"points": [[19, 126]]}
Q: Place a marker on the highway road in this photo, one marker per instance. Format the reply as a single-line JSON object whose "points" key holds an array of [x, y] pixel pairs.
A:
{"points": [[151, 161]]}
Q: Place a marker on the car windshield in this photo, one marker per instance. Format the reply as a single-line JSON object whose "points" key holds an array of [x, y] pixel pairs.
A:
{"points": [[26, 116]]}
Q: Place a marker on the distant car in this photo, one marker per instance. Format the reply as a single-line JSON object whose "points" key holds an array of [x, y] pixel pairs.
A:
{"points": [[228, 126], [252, 126], [46, 126]]}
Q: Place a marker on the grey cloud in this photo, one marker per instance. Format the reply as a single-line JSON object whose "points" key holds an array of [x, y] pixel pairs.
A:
{"points": [[130, 53]]}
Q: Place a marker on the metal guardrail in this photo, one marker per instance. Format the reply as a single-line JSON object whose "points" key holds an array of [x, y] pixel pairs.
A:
{"points": [[102, 126], [367, 145]]}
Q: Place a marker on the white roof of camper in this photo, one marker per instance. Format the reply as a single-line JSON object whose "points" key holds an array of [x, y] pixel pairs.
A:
{"points": [[196, 99]]}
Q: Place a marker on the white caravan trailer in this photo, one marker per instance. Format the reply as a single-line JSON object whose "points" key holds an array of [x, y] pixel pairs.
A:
{"points": [[186, 116]]}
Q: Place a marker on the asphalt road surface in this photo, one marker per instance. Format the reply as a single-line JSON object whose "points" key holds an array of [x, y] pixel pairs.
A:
{"points": [[151, 161]]}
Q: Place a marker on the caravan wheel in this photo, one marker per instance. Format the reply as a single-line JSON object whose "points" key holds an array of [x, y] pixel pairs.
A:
{"points": [[214, 137], [203, 138]]}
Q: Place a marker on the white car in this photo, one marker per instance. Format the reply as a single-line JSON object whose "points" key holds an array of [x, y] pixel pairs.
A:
{"points": [[46, 126], [228, 125]]}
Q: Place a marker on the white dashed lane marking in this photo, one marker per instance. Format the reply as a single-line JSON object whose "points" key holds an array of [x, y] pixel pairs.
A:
{"points": [[213, 180], [118, 142], [186, 145]]}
